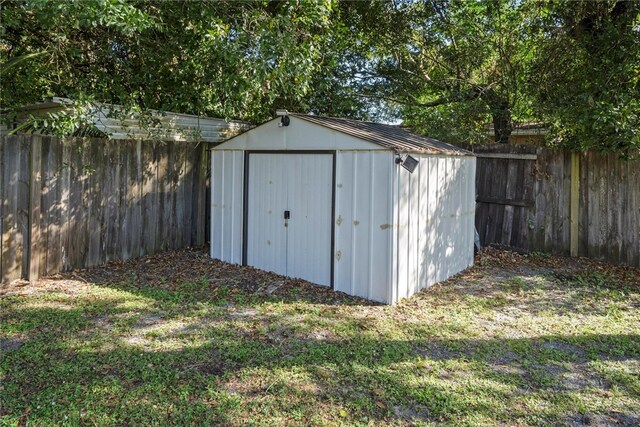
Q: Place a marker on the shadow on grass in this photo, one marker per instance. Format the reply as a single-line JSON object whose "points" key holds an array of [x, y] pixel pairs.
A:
{"points": [[239, 290], [549, 293], [85, 366]]}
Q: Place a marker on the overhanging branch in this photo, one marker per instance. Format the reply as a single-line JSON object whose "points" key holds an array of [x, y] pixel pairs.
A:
{"points": [[410, 100]]}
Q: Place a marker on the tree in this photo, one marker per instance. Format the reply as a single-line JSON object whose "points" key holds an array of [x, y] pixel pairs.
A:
{"points": [[229, 59], [446, 67], [585, 74], [454, 66], [443, 61]]}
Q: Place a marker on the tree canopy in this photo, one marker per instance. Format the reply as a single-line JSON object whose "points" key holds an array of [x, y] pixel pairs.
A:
{"points": [[454, 66], [447, 68], [230, 59]]}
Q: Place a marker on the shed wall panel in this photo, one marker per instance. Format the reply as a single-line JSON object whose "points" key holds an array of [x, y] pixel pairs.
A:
{"points": [[362, 252], [434, 237], [227, 181]]}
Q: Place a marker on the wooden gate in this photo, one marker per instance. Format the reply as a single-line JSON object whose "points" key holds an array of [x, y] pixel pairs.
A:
{"points": [[504, 196]]}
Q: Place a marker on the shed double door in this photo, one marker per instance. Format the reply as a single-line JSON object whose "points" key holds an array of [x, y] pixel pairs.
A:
{"points": [[289, 214]]}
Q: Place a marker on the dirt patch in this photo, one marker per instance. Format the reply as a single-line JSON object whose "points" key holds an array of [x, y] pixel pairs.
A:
{"points": [[558, 266], [611, 419], [411, 413], [508, 363], [148, 321], [579, 379], [245, 313], [52, 284], [192, 270], [437, 351], [322, 335], [11, 344]]}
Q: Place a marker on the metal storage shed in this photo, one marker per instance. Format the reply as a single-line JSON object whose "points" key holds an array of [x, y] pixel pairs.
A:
{"points": [[328, 200]]}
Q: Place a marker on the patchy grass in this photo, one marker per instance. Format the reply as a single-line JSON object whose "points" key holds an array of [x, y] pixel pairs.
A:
{"points": [[178, 339]]}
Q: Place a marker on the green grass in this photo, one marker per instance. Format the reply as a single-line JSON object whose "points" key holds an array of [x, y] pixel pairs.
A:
{"points": [[520, 345]]}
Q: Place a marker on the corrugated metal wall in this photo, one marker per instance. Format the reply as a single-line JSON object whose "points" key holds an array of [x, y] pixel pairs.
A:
{"points": [[433, 222], [227, 181], [169, 127], [395, 232], [163, 126], [362, 254]]}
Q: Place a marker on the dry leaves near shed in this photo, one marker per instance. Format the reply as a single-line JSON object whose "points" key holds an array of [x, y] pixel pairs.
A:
{"points": [[192, 270], [562, 267]]}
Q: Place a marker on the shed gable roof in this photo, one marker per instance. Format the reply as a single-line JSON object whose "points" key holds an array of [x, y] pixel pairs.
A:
{"points": [[389, 136]]}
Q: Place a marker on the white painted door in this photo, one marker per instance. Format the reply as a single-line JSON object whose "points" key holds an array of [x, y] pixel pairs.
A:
{"points": [[301, 185], [267, 199], [309, 228]]}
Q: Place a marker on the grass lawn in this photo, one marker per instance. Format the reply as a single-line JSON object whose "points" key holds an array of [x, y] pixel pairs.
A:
{"points": [[178, 339]]}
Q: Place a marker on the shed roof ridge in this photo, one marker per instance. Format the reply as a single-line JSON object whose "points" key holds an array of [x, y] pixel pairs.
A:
{"points": [[345, 119]]}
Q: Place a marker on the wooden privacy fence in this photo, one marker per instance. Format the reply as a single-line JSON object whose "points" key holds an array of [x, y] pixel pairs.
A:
{"points": [[75, 203], [537, 199]]}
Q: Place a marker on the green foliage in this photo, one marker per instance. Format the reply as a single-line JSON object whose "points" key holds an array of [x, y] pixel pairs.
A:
{"points": [[229, 59], [455, 66], [585, 74], [461, 122], [447, 68], [75, 119]]}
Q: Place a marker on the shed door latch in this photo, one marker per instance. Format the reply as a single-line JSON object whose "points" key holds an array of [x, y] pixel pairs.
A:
{"points": [[287, 214]]}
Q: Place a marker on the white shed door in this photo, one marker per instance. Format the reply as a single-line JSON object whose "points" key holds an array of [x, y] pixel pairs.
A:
{"points": [[298, 186]]}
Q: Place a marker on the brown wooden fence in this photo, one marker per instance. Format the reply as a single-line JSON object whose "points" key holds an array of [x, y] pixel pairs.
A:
{"points": [[75, 203], [537, 199]]}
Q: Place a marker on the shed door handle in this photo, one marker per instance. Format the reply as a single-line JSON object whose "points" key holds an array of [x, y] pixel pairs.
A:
{"points": [[287, 214]]}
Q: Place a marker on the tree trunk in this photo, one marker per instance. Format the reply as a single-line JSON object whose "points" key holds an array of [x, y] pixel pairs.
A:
{"points": [[502, 125]]}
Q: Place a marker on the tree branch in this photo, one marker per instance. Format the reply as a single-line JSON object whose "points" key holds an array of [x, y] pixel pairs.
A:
{"points": [[468, 95], [415, 103]]}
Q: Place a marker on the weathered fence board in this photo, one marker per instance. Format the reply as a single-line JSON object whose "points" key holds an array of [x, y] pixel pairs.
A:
{"points": [[524, 201], [2, 209], [37, 238], [73, 203], [12, 234]]}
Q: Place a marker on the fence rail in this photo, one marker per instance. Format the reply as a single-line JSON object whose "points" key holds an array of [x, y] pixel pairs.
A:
{"points": [[537, 199], [74, 203]]}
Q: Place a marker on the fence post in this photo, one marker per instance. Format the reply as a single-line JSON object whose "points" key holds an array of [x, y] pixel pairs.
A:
{"points": [[35, 209], [575, 203]]}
